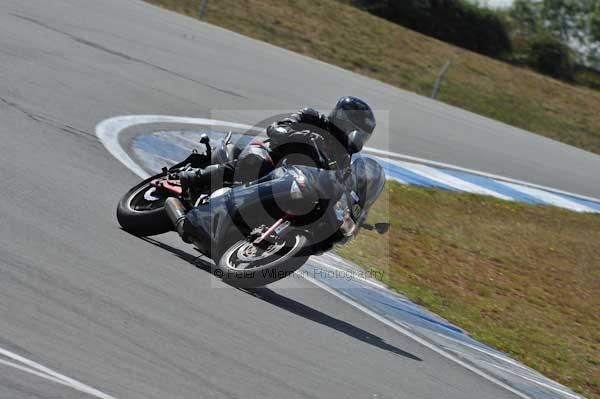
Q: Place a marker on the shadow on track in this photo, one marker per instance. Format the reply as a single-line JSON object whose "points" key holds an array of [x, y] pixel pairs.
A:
{"points": [[295, 307], [194, 260], [317, 316]]}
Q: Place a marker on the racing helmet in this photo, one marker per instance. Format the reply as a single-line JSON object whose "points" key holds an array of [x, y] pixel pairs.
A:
{"points": [[354, 121]]}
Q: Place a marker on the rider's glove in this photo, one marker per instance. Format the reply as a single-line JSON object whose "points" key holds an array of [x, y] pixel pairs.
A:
{"points": [[189, 177]]}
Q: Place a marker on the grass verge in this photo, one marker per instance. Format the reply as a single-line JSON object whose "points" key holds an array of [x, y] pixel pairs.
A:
{"points": [[524, 279], [406, 59]]}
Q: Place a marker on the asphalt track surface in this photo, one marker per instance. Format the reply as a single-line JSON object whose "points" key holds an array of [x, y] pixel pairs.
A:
{"points": [[136, 318]]}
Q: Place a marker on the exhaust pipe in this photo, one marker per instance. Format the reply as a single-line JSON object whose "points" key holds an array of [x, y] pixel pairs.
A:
{"points": [[176, 213]]}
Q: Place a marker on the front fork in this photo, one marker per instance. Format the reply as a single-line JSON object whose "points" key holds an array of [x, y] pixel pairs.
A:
{"points": [[279, 228]]}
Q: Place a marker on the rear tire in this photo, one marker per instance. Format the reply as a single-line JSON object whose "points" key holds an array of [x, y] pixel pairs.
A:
{"points": [[252, 277], [143, 222]]}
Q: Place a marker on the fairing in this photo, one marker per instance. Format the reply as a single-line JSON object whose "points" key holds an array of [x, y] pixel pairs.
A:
{"points": [[369, 180], [235, 213], [261, 202]]}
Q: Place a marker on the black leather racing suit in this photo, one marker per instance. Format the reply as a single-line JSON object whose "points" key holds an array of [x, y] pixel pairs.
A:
{"points": [[290, 139]]}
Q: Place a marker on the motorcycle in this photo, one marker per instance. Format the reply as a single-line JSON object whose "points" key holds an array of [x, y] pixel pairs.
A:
{"points": [[260, 232]]}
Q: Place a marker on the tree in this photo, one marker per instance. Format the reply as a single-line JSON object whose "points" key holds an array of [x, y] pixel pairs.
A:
{"points": [[575, 22], [527, 15]]}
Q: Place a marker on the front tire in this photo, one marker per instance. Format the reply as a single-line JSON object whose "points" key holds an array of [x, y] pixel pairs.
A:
{"points": [[140, 216], [242, 268]]}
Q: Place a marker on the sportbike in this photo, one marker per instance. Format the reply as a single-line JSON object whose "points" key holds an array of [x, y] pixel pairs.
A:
{"points": [[260, 232]]}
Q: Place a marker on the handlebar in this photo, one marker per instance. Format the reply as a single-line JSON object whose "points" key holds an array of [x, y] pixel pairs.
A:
{"points": [[342, 172]]}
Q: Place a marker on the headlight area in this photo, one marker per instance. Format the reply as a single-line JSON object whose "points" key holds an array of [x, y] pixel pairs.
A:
{"points": [[342, 212]]}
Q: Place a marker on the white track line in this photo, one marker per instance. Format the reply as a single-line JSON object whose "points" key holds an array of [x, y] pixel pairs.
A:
{"points": [[108, 132], [536, 381], [31, 367], [31, 371], [530, 375], [345, 272]]}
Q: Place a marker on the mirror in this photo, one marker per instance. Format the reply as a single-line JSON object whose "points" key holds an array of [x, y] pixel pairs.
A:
{"points": [[382, 228], [204, 139]]}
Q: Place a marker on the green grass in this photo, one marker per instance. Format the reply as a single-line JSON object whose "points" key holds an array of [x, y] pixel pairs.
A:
{"points": [[406, 59], [524, 279]]}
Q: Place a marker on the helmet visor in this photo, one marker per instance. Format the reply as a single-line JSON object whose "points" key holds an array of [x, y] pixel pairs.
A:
{"points": [[356, 140]]}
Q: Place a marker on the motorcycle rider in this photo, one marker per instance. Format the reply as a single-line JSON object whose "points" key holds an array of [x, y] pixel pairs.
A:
{"points": [[340, 134]]}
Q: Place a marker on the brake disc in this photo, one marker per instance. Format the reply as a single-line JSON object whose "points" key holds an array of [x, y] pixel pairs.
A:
{"points": [[148, 195]]}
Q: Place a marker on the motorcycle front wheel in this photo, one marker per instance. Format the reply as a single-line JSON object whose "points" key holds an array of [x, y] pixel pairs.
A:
{"points": [[141, 211], [247, 265]]}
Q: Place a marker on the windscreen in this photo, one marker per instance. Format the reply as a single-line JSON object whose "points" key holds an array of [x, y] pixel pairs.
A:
{"points": [[369, 179]]}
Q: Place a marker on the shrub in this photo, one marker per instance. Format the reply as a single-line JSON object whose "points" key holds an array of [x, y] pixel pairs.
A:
{"points": [[454, 21], [587, 77], [550, 56]]}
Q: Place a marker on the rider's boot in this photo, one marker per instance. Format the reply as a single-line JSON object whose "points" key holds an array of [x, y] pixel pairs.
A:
{"points": [[212, 176]]}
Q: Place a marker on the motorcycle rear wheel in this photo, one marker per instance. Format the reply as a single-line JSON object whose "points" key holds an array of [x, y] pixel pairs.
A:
{"points": [[140, 214], [243, 266]]}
